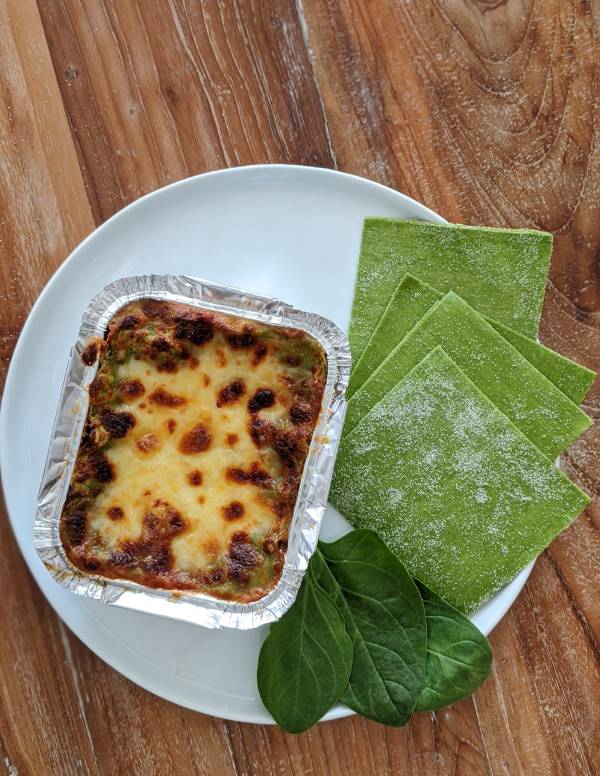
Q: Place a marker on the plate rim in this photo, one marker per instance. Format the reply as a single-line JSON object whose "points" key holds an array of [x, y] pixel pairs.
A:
{"points": [[337, 711]]}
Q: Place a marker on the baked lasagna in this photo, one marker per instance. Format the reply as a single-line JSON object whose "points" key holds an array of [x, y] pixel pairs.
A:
{"points": [[196, 436]]}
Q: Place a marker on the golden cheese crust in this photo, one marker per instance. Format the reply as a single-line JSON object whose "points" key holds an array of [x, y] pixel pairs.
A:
{"points": [[196, 436]]}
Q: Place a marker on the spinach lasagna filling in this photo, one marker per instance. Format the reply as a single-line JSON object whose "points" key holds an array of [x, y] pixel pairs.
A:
{"points": [[196, 436]]}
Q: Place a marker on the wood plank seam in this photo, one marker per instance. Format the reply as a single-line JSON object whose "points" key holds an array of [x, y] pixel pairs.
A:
{"points": [[64, 637], [229, 744], [485, 748], [309, 53], [566, 699], [581, 618]]}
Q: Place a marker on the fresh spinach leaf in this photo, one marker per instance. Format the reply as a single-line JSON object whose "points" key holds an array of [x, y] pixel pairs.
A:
{"points": [[305, 661], [385, 619], [458, 654], [361, 631]]}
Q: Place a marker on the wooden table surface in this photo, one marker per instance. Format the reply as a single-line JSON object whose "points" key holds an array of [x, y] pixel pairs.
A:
{"points": [[485, 110]]}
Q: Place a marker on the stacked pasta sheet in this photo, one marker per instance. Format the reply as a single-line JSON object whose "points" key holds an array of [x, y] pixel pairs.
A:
{"points": [[456, 413]]}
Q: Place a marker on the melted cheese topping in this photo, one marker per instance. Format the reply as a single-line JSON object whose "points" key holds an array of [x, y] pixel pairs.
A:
{"points": [[191, 458], [162, 471]]}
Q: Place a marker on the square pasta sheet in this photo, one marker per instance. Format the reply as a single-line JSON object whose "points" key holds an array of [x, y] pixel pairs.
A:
{"points": [[501, 272], [535, 405], [411, 300], [454, 489]]}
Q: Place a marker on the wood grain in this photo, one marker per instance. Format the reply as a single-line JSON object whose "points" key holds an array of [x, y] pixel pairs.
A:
{"points": [[43, 214], [160, 90], [486, 111]]}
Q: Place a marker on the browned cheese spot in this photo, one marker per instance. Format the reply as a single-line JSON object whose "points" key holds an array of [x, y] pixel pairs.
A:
{"points": [[196, 440], [122, 559], [201, 499], [168, 365], [153, 552], [96, 386], [231, 393], [239, 340], [261, 431], [255, 476], [171, 425], [301, 412], [286, 446], [220, 358], [206, 380], [102, 468], [128, 322], [159, 345], [130, 390], [162, 521], [282, 508], [148, 443], [214, 576], [197, 327], [116, 423], [243, 557], [195, 478], [232, 439], [263, 399], [163, 398], [193, 362], [233, 511], [157, 560], [115, 513], [155, 308], [236, 474], [75, 527], [90, 353], [260, 352]]}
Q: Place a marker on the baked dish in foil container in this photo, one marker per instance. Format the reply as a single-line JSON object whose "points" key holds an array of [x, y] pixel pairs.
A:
{"points": [[192, 451]]}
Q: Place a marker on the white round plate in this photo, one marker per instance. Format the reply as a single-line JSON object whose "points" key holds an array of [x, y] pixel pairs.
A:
{"points": [[284, 231]]}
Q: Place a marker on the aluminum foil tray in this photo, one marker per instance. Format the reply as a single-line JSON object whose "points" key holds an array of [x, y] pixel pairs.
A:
{"points": [[198, 608]]}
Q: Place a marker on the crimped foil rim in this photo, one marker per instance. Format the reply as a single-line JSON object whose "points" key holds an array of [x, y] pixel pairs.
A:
{"points": [[198, 608]]}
